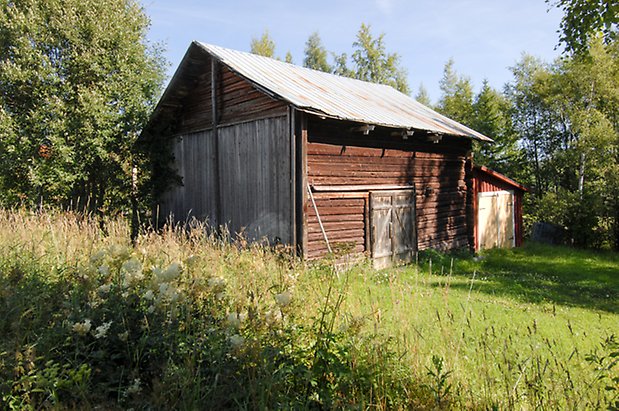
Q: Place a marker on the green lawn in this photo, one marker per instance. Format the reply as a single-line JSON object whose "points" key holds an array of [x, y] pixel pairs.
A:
{"points": [[539, 273]]}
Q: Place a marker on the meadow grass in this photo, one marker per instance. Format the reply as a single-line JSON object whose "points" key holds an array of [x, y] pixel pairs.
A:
{"points": [[199, 322]]}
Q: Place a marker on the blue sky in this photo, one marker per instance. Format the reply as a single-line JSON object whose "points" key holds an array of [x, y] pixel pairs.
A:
{"points": [[484, 37]]}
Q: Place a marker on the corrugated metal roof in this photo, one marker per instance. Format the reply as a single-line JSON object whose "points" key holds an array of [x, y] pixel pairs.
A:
{"points": [[338, 97]]}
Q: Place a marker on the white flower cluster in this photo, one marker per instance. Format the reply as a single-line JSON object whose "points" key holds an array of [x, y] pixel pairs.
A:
{"points": [[101, 331], [169, 274], [132, 272], [234, 320], [283, 299], [135, 387], [82, 328], [237, 341]]}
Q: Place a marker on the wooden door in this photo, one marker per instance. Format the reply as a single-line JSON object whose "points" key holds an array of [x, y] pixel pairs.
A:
{"points": [[495, 219], [393, 233]]}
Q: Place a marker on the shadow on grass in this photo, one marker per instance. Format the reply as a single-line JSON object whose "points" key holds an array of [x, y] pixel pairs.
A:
{"points": [[539, 273]]}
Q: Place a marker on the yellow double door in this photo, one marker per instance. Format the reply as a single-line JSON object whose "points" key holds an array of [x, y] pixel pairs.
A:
{"points": [[495, 219]]}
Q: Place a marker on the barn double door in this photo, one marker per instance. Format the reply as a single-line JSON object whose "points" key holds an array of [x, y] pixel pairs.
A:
{"points": [[393, 232], [495, 219]]}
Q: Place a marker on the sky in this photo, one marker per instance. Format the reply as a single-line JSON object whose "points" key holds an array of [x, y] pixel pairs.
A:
{"points": [[483, 37]]}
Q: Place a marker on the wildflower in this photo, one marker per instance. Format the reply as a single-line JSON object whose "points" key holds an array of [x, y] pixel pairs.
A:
{"points": [[117, 251], [237, 341], [272, 317], [104, 289], [284, 299], [101, 331], [133, 266], [98, 256], [135, 387], [104, 270], [123, 336], [170, 273], [82, 328], [216, 282], [167, 291], [191, 260], [234, 320]]}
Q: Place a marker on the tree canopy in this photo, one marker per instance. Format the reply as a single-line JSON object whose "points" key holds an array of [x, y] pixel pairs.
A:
{"points": [[456, 100], [583, 20], [373, 63], [263, 46], [77, 82], [316, 54]]}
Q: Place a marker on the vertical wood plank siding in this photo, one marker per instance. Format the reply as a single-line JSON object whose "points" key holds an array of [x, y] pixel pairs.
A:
{"points": [[437, 172], [255, 179], [253, 149], [255, 171], [485, 183], [194, 160]]}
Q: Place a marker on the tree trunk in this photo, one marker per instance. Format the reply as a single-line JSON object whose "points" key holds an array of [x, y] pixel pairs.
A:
{"points": [[581, 175]]}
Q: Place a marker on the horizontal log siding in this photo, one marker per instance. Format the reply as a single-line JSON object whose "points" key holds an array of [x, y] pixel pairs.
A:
{"points": [[436, 170], [237, 101], [343, 220]]}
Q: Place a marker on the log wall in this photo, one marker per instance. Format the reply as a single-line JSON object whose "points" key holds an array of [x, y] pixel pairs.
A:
{"points": [[436, 171], [237, 101]]}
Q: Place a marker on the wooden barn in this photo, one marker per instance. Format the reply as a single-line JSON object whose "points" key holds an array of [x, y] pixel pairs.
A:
{"points": [[312, 160], [497, 209]]}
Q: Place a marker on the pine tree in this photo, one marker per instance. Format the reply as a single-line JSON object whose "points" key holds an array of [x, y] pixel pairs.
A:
{"points": [[373, 63], [491, 117], [457, 95], [423, 97], [316, 54]]}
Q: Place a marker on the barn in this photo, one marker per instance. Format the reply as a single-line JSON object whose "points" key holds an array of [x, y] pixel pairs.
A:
{"points": [[497, 208], [316, 161]]}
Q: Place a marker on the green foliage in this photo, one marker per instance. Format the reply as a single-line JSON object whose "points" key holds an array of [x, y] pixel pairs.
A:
{"points": [[491, 117], [264, 46], [583, 20], [456, 101], [605, 363], [374, 64], [440, 381], [565, 115], [77, 82], [288, 58], [316, 54], [184, 321], [423, 97]]}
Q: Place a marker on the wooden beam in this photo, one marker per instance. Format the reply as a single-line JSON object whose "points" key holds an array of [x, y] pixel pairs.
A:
{"points": [[300, 124], [218, 212], [293, 177], [361, 187]]}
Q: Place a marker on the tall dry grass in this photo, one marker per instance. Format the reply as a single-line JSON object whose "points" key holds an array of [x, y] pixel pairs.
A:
{"points": [[197, 321]]}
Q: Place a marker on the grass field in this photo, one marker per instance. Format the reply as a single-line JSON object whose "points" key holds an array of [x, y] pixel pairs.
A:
{"points": [[186, 321]]}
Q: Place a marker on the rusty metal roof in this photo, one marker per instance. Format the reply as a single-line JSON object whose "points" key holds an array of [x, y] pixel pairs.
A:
{"points": [[337, 97]]}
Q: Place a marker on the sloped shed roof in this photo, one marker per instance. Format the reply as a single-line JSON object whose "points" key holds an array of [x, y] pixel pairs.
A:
{"points": [[333, 96]]}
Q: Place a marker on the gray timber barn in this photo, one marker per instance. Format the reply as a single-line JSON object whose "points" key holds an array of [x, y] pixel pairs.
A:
{"points": [[310, 159]]}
